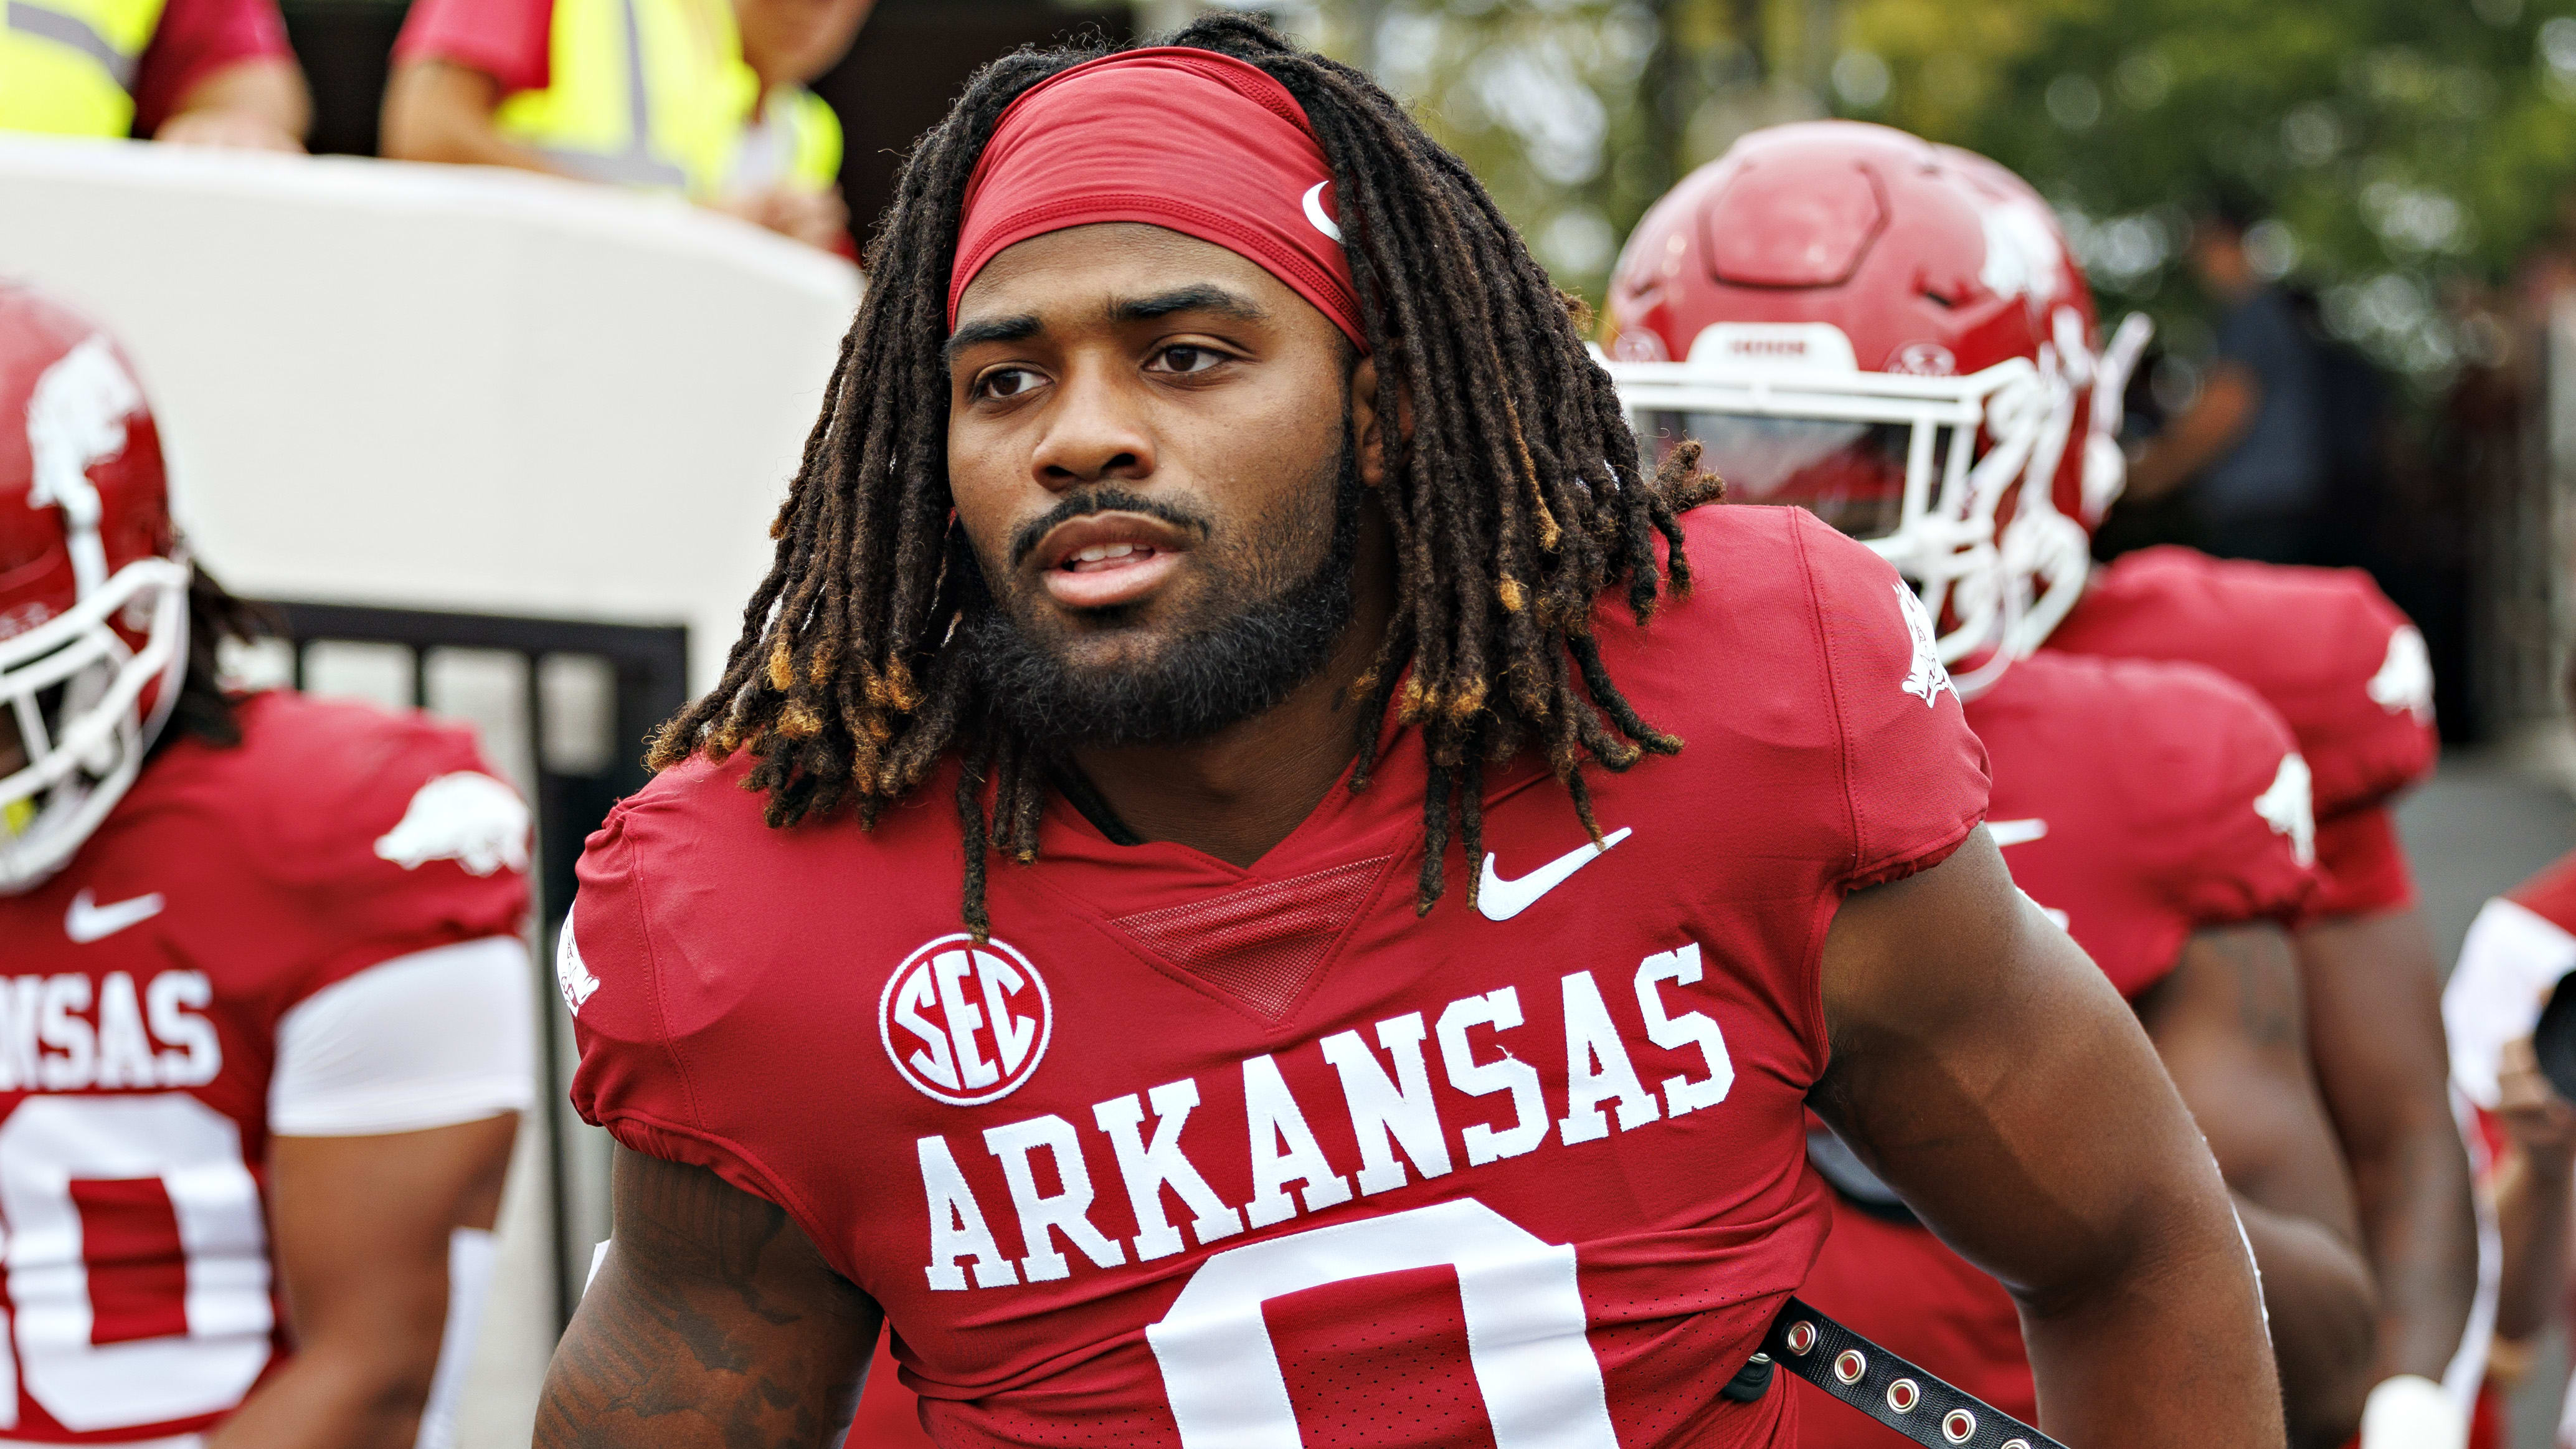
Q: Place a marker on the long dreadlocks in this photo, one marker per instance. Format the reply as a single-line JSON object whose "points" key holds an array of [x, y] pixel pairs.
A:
{"points": [[1515, 502]]}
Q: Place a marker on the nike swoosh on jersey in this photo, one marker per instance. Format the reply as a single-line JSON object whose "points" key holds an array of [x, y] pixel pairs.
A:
{"points": [[1501, 899], [89, 921], [2016, 832]]}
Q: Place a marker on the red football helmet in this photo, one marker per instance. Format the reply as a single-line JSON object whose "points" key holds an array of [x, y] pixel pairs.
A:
{"points": [[93, 591], [1888, 332]]}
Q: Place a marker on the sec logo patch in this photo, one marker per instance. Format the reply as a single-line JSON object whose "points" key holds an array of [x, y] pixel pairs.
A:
{"points": [[965, 1024]]}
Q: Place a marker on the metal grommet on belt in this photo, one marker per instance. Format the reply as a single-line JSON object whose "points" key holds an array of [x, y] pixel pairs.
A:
{"points": [[2016, 1444], [1849, 1366], [1801, 1337], [1903, 1395], [1958, 1425]]}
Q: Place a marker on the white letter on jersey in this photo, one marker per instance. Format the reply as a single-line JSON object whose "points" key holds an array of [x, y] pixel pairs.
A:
{"points": [[1681, 1095], [1380, 1107], [202, 1053], [18, 1033], [68, 1034], [1066, 1212], [1147, 1169], [1534, 1368], [957, 1228], [1501, 1009], [124, 1052], [1597, 1068], [1272, 1120]]}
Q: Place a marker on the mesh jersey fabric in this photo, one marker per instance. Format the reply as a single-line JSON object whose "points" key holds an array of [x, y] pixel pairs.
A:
{"points": [[1579, 1128], [149, 980], [2125, 796], [2326, 649]]}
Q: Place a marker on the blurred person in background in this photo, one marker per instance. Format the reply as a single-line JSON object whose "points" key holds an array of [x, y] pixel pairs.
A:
{"points": [[194, 72], [267, 1033], [2251, 446], [650, 94], [2520, 950], [791, 151]]}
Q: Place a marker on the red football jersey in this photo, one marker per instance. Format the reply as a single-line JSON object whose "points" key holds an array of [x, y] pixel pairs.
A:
{"points": [[1193, 1154], [2136, 801], [2322, 646], [137, 1034]]}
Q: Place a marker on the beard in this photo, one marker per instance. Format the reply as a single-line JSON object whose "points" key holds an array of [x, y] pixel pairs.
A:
{"points": [[1221, 672]]}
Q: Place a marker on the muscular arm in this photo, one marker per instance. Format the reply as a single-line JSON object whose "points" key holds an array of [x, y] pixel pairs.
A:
{"points": [[2375, 1033], [361, 1227], [1984, 1067], [713, 1323], [436, 110], [2228, 1024]]}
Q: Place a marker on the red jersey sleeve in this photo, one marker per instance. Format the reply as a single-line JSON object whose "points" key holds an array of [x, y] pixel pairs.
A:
{"points": [[2225, 802], [381, 834], [2324, 647], [511, 41], [2364, 864], [1914, 774], [624, 966], [193, 40]]}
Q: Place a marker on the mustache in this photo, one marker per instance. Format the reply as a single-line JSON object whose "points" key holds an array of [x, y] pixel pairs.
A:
{"points": [[1109, 498]]}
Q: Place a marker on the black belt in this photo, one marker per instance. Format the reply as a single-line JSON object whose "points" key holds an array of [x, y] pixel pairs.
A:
{"points": [[1915, 1404]]}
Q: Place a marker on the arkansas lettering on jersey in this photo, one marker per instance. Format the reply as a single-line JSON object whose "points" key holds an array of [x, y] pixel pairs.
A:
{"points": [[137, 1026], [1193, 1155], [2326, 649], [2137, 802]]}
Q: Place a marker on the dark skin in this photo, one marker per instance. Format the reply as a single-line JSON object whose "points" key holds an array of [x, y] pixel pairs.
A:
{"points": [[2375, 1031], [1980, 1060], [2228, 1024]]}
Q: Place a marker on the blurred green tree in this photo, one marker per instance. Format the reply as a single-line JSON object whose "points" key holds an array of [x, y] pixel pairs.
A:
{"points": [[2398, 150]]}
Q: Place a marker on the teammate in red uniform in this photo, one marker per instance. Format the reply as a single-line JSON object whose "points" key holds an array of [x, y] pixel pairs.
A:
{"points": [[2159, 809], [1205, 449], [2353, 680], [265, 1036]]}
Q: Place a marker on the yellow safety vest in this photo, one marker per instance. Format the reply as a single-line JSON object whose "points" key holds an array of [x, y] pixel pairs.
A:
{"points": [[67, 66], [796, 142], [649, 93], [814, 159]]}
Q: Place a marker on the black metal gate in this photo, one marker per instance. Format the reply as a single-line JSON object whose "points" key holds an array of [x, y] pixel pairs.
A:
{"points": [[650, 670]]}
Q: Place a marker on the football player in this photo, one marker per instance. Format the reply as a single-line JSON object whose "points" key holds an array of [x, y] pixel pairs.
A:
{"points": [[2354, 682], [264, 1035], [1873, 330], [1203, 899]]}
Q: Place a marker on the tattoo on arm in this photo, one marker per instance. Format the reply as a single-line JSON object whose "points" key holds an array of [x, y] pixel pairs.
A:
{"points": [[713, 1322]]}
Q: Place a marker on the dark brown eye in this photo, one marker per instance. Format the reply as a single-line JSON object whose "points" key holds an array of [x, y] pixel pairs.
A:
{"points": [[1189, 359]]}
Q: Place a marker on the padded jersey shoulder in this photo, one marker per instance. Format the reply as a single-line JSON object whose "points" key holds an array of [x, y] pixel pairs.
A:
{"points": [[2324, 647], [2205, 777], [1797, 649]]}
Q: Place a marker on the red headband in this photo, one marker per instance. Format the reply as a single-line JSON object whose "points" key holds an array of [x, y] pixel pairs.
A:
{"points": [[1190, 140]]}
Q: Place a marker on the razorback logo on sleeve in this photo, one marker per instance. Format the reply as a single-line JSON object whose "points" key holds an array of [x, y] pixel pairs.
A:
{"points": [[2289, 807], [465, 816], [2404, 682]]}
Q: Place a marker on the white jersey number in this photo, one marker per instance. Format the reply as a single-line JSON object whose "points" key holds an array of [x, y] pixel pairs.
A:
{"points": [[195, 1153], [1524, 1312]]}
